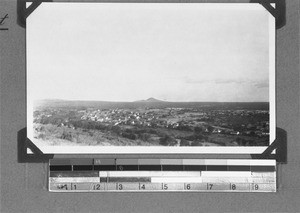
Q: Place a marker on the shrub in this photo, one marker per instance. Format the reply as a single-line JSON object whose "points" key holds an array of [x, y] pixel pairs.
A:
{"points": [[184, 142], [130, 136], [66, 136], [195, 143], [116, 129], [167, 140], [153, 131], [198, 129], [41, 136], [144, 136]]}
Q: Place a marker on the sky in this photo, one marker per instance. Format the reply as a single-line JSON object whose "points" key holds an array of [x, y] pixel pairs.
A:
{"points": [[134, 51]]}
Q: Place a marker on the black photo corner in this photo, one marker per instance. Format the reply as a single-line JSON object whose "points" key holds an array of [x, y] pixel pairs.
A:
{"points": [[37, 155], [280, 145], [279, 12]]}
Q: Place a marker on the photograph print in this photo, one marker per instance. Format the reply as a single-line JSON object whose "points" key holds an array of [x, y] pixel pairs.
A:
{"points": [[150, 78]]}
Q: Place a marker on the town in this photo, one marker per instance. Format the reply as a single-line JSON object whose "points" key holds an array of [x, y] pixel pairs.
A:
{"points": [[171, 126], [215, 121]]}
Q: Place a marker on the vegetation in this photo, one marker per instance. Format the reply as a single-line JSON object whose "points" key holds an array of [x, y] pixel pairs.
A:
{"points": [[221, 125]]}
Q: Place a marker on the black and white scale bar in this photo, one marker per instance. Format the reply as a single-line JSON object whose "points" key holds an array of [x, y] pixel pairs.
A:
{"points": [[162, 165], [162, 187], [132, 175], [160, 168]]}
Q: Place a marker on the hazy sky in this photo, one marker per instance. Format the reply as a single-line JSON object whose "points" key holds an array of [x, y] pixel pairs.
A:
{"points": [[128, 52]]}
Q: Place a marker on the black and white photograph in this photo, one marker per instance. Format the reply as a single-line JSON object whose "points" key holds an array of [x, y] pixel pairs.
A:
{"points": [[150, 78], [149, 106]]}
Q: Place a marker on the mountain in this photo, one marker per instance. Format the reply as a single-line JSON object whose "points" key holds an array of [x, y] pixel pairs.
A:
{"points": [[150, 100]]}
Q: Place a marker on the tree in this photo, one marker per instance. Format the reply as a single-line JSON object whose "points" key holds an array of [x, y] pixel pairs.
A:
{"points": [[195, 143], [167, 140], [210, 128], [116, 129], [184, 142], [129, 135], [144, 136], [198, 129], [66, 136]]}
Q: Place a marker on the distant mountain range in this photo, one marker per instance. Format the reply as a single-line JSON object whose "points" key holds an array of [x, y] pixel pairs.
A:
{"points": [[150, 100]]}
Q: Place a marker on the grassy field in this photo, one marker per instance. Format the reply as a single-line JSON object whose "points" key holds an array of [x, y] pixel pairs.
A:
{"points": [[53, 135]]}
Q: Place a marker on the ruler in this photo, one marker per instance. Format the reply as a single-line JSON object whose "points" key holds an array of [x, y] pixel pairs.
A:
{"points": [[161, 175]]}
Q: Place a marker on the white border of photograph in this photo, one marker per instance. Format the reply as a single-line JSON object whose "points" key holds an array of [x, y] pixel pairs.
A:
{"points": [[162, 149]]}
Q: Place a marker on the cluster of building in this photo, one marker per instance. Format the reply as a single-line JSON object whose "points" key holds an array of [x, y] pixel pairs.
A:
{"points": [[126, 117], [208, 121], [258, 126], [232, 122]]}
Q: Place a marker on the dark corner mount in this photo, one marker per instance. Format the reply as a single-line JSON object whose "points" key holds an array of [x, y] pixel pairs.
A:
{"points": [[279, 145], [23, 12], [278, 12], [37, 155]]}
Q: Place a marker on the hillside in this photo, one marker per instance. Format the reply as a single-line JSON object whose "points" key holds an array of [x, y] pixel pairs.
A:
{"points": [[150, 100]]}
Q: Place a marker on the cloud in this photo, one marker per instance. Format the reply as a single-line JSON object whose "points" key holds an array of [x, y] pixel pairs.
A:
{"points": [[262, 84], [217, 81], [229, 81], [258, 84], [192, 81]]}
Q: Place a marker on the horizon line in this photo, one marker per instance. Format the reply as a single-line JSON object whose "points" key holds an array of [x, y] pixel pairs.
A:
{"points": [[145, 101]]}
